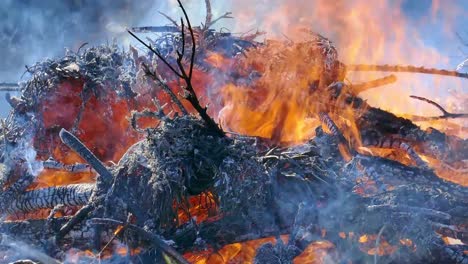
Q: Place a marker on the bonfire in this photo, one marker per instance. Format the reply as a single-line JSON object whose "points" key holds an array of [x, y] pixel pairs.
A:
{"points": [[111, 156]]}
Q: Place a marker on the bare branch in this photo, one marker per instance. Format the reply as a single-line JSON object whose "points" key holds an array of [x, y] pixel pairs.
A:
{"points": [[224, 16], [209, 15], [462, 40], [76, 219], [157, 53], [192, 35], [445, 114], [169, 18], [166, 88], [157, 29], [9, 87], [70, 195]]}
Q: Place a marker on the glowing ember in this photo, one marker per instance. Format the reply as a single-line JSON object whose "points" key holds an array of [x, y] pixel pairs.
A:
{"points": [[369, 244]]}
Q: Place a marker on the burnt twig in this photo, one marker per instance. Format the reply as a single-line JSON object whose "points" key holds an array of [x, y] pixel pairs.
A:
{"points": [[76, 219], [75, 144], [157, 53]]}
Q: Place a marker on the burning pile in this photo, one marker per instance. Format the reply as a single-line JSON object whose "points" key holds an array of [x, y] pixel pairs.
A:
{"points": [[300, 169]]}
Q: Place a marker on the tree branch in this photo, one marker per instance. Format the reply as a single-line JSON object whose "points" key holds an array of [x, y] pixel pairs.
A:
{"points": [[361, 87], [182, 73], [404, 68], [445, 114]]}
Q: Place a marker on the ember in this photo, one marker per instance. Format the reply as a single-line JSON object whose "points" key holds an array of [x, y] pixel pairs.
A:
{"points": [[111, 155]]}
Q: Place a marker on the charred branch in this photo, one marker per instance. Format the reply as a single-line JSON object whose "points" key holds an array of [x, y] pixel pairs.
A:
{"points": [[70, 195], [75, 144]]}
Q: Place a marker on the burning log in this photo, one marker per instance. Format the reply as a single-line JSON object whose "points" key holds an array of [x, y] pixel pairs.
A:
{"points": [[254, 186]]}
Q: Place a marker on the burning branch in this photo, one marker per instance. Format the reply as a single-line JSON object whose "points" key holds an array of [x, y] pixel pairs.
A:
{"points": [[361, 87], [399, 68]]}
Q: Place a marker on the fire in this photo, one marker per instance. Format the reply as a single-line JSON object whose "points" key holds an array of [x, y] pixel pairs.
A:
{"points": [[200, 208], [245, 252], [381, 247], [282, 102]]}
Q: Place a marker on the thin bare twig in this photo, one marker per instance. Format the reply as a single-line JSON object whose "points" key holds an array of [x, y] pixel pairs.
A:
{"points": [[182, 73], [166, 89], [462, 40], [192, 97], [169, 18], [157, 53], [445, 113], [224, 16], [209, 15]]}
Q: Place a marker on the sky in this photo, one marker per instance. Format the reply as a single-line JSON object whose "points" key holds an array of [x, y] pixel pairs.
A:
{"points": [[33, 30]]}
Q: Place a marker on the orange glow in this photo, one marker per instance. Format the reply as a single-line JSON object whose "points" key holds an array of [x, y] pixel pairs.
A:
{"points": [[457, 173], [314, 253], [368, 244], [244, 252], [201, 207], [283, 103]]}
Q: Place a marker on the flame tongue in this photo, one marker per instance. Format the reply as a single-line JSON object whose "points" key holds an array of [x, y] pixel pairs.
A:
{"points": [[285, 88]]}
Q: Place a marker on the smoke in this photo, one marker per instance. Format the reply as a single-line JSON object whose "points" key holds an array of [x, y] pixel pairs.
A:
{"points": [[31, 30]]}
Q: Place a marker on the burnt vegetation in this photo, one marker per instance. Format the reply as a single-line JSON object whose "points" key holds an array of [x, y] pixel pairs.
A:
{"points": [[147, 171]]}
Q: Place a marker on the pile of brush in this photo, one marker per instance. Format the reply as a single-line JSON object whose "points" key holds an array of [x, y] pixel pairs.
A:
{"points": [[110, 155]]}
